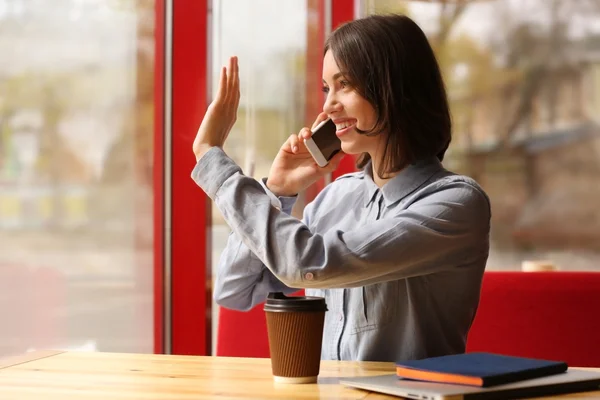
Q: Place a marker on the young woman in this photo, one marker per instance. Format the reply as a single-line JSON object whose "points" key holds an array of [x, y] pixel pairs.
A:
{"points": [[398, 249]]}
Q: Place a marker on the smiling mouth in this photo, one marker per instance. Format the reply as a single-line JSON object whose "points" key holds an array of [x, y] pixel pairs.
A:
{"points": [[344, 127]]}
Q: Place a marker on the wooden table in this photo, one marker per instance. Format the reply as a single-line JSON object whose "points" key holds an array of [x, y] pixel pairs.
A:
{"points": [[52, 375]]}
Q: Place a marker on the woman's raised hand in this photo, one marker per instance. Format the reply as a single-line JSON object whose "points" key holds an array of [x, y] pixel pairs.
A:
{"points": [[221, 113]]}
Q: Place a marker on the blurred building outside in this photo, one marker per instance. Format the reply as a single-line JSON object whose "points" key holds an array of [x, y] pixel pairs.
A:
{"points": [[76, 128]]}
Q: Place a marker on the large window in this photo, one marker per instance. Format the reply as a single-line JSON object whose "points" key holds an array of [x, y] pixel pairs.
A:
{"points": [[76, 134], [523, 80], [280, 77]]}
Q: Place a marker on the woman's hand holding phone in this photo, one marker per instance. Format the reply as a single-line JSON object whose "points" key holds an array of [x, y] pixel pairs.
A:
{"points": [[294, 169]]}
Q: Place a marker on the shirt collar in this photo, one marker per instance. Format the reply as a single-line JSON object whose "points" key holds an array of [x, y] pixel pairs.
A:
{"points": [[371, 186], [403, 184]]}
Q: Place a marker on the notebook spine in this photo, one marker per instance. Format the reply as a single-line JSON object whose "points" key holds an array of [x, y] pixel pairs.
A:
{"points": [[524, 375]]}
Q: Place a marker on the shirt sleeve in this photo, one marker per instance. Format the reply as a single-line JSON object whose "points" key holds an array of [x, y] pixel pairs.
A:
{"points": [[242, 281], [452, 226]]}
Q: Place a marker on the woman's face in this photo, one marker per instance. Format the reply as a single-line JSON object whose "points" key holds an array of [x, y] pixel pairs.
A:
{"points": [[348, 110]]}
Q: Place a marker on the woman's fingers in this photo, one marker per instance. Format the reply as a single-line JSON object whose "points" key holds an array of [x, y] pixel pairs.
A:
{"points": [[234, 89], [294, 143], [289, 144], [236, 82], [320, 118], [304, 134], [222, 90], [231, 85]]}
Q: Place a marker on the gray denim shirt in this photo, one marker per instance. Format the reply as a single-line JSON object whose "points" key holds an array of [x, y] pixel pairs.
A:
{"points": [[400, 267]]}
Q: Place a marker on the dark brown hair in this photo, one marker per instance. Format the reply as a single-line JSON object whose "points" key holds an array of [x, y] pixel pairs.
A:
{"points": [[389, 62]]}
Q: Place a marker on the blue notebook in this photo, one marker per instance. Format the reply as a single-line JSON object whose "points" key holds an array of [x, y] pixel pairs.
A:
{"points": [[478, 369]]}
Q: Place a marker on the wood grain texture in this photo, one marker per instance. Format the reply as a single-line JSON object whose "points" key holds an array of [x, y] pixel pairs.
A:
{"points": [[72, 375]]}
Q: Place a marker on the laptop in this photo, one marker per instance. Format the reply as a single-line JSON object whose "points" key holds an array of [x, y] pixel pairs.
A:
{"points": [[574, 380]]}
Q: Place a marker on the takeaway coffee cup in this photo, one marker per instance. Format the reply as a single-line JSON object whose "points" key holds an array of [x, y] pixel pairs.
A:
{"points": [[295, 329]]}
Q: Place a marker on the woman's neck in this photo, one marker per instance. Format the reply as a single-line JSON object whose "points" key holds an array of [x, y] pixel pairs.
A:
{"points": [[379, 181]]}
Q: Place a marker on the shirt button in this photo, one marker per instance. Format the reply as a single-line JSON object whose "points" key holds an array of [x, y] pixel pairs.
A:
{"points": [[341, 317], [309, 276]]}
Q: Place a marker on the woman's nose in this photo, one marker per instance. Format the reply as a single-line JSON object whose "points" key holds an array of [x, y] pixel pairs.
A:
{"points": [[331, 104]]}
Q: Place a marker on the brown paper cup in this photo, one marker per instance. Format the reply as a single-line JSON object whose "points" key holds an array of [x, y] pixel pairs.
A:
{"points": [[295, 329]]}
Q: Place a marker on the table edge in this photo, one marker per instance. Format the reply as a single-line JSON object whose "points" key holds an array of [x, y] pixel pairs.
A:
{"points": [[11, 361]]}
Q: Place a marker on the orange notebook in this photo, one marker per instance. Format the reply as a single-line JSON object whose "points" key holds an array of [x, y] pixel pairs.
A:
{"points": [[478, 369]]}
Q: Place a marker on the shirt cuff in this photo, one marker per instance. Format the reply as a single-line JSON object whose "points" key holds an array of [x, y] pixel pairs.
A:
{"points": [[283, 203], [213, 169]]}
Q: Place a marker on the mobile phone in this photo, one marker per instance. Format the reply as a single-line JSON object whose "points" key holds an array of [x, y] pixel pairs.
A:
{"points": [[324, 143]]}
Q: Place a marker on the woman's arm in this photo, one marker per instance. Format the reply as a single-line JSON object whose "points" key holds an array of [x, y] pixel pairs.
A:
{"points": [[242, 279], [449, 229]]}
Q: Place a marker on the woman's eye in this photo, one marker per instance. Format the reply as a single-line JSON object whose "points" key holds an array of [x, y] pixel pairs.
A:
{"points": [[325, 89], [344, 84]]}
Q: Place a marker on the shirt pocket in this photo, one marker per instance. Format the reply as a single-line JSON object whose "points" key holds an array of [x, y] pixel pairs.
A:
{"points": [[374, 306]]}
